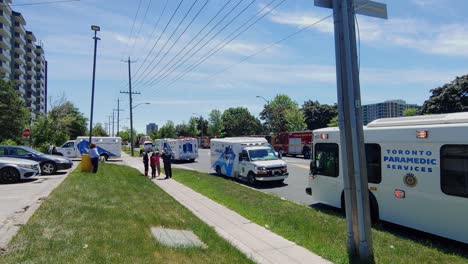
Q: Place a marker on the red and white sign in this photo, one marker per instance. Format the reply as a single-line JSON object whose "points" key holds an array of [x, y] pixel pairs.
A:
{"points": [[27, 132]]}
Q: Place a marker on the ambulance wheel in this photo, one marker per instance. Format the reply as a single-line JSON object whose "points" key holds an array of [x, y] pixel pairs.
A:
{"points": [[218, 171], [251, 179], [104, 157]]}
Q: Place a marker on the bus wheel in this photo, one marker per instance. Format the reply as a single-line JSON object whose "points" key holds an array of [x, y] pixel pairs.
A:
{"points": [[373, 206]]}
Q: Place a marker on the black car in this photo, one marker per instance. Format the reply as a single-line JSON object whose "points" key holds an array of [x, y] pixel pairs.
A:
{"points": [[49, 163]]}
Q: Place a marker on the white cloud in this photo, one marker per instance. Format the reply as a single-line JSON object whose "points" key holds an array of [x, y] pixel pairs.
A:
{"points": [[442, 39]]}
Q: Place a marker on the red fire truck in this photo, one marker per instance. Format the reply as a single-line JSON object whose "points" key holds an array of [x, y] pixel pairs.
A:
{"points": [[293, 143]]}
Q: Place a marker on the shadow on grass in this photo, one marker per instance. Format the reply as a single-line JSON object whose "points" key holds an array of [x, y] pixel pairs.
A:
{"points": [[258, 185], [442, 244]]}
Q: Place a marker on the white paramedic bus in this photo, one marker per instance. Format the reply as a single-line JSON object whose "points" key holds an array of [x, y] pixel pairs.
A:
{"points": [[247, 158], [417, 171], [180, 148], [108, 147]]}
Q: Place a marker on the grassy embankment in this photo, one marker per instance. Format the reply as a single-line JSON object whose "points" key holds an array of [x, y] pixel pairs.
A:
{"points": [[106, 218], [322, 231]]}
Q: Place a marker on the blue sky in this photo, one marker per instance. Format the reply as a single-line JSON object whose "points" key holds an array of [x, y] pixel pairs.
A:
{"points": [[422, 45]]}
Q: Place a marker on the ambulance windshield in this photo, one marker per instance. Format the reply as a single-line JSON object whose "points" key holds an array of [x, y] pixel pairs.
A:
{"points": [[262, 154]]}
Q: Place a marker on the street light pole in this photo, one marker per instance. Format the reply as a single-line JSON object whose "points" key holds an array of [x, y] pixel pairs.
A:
{"points": [[96, 29]]}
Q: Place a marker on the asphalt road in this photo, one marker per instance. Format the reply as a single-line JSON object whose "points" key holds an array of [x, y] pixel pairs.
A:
{"points": [[18, 201], [293, 188]]}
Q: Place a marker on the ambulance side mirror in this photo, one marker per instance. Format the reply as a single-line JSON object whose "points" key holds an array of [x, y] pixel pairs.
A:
{"points": [[313, 169]]}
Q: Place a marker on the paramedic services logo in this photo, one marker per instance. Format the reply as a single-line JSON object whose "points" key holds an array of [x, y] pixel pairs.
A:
{"points": [[410, 180]]}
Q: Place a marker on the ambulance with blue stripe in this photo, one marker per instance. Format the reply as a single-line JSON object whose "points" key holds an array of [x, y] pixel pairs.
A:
{"points": [[181, 149], [247, 158], [108, 147]]}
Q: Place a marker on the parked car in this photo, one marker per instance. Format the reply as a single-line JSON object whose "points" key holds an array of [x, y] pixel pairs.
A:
{"points": [[49, 163], [13, 170]]}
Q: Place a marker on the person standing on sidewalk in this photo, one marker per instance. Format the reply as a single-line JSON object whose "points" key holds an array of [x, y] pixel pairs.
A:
{"points": [[167, 157], [145, 162], [94, 156], [153, 161]]}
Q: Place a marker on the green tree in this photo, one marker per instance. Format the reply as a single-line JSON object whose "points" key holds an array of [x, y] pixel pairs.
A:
{"points": [[215, 126], [182, 130], [295, 120], [333, 122], [318, 115], [124, 133], [14, 116], [99, 131], [449, 98], [67, 121], [202, 126], [410, 112], [277, 112], [192, 127], [238, 121], [168, 130]]}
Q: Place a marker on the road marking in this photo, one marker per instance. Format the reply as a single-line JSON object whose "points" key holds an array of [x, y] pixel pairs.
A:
{"points": [[300, 165]]}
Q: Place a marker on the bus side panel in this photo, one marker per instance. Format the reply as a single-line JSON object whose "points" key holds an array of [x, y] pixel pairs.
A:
{"points": [[414, 168]]}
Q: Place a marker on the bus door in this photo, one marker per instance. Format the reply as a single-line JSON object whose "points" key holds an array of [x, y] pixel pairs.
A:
{"points": [[326, 158]]}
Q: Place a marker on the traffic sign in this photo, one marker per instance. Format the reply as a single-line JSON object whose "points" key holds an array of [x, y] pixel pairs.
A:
{"points": [[27, 132]]}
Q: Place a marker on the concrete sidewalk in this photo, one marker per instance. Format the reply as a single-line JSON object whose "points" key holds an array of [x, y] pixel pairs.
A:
{"points": [[257, 242]]}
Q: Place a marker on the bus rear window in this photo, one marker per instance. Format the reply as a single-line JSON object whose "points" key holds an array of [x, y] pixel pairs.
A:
{"points": [[454, 170], [326, 159]]}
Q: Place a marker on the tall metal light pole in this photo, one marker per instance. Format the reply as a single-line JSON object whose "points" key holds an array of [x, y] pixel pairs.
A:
{"points": [[359, 239], [202, 126], [268, 113], [96, 29]]}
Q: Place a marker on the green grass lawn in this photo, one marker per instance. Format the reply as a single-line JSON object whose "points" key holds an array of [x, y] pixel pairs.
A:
{"points": [[106, 218], [321, 231]]}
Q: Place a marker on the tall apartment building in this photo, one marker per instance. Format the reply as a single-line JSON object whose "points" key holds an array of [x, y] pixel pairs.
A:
{"points": [[391, 108], [21, 59], [150, 128]]}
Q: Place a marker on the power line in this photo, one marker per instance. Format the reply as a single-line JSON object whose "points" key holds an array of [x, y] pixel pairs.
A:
{"points": [[222, 29], [141, 26], [40, 3], [152, 33], [196, 36], [160, 35], [213, 51], [175, 42], [138, 79], [133, 26]]}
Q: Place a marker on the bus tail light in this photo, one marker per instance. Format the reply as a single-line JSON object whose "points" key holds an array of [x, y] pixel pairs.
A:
{"points": [[399, 193], [324, 136]]}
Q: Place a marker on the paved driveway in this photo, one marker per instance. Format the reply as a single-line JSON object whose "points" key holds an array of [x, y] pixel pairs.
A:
{"points": [[20, 200]]}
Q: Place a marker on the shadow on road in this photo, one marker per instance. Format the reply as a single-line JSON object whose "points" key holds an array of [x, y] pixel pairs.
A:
{"points": [[442, 244], [257, 185]]}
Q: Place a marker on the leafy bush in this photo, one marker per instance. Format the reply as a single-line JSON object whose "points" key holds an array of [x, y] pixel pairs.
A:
{"points": [[9, 142]]}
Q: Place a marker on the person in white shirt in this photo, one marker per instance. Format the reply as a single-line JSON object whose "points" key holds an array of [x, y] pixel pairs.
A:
{"points": [[94, 156]]}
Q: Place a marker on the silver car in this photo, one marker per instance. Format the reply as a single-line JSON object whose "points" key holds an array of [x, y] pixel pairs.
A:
{"points": [[13, 170]]}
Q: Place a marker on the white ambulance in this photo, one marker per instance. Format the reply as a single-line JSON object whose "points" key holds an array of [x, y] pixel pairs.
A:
{"points": [[180, 148], [417, 170], [108, 147], [247, 158]]}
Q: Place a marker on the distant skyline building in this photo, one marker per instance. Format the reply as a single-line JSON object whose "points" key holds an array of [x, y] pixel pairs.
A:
{"points": [[150, 128], [390, 108], [22, 59]]}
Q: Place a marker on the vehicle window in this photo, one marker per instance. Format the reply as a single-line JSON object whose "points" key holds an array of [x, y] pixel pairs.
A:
{"points": [[373, 158], [69, 145], [244, 154], [3, 151], [326, 159], [454, 170], [18, 152], [262, 154]]}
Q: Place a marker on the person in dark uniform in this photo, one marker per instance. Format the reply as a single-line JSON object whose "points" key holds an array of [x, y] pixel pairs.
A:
{"points": [[166, 156], [146, 162]]}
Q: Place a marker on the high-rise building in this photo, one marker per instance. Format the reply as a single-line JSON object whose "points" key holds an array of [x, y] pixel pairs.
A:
{"points": [[22, 59], [390, 108], [150, 128]]}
